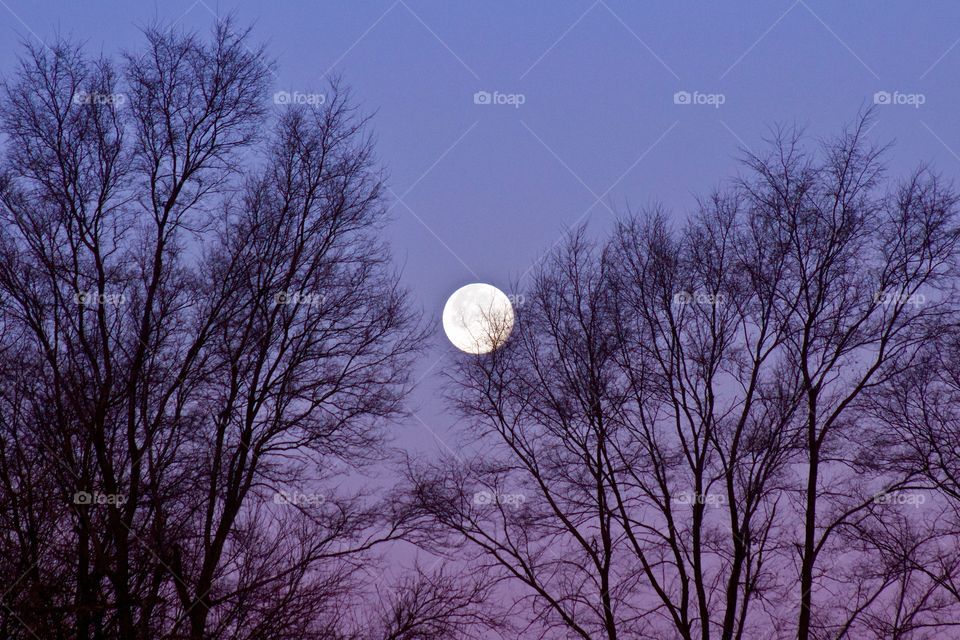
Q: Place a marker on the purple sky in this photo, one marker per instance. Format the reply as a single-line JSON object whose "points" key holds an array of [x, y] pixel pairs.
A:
{"points": [[486, 188]]}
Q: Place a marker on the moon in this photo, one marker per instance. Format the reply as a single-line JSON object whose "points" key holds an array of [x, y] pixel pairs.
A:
{"points": [[478, 318]]}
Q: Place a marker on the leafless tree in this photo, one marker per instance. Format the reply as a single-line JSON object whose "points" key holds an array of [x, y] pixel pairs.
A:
{"points": [[436, 605], [915, 427], [203, 341], [677, 439]]}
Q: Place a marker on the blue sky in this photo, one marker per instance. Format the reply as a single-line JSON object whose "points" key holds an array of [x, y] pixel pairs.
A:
{"points": [[479, 191]]}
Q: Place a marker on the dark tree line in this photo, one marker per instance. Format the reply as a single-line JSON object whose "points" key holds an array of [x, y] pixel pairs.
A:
{"points": [[742, 426]]}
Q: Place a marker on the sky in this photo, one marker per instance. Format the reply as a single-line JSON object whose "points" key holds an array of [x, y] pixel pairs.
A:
{"points": [[503, 124]]}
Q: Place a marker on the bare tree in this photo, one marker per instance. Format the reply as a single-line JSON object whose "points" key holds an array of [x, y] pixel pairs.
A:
{"points": [[203, 341], [685, 415], [433, 605], [915, 428]]}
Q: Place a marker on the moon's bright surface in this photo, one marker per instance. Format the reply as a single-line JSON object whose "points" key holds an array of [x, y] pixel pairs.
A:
{"points": [[478, 318]]}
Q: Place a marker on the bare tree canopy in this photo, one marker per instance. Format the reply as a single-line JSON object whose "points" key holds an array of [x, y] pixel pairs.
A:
{"points": [[201, 331], [743, 426], [685, 436]]}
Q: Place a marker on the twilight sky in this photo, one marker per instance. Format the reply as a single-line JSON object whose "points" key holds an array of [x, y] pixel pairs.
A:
{"points": [[588, 120]]}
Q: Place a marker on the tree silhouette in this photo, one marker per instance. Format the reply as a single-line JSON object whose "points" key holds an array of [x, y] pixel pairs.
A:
{"points": [[203, 338], [687, 417]]}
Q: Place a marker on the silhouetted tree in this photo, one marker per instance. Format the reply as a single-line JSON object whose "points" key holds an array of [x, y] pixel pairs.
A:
{"points": [[203, 338], [677, 441]]}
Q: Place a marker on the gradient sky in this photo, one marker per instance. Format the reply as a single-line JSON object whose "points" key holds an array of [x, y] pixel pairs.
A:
{"points": [[479, 191]]}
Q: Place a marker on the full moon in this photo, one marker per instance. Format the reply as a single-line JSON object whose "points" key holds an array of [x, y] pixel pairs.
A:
{"points": [[478, 318]]}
